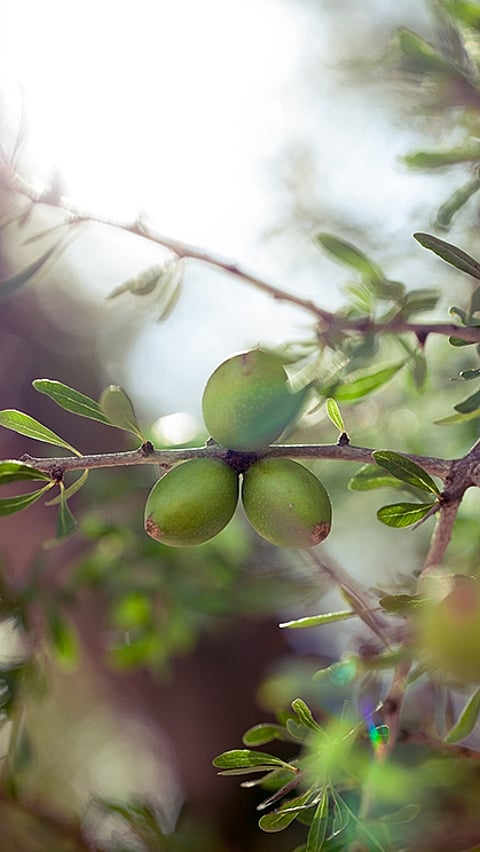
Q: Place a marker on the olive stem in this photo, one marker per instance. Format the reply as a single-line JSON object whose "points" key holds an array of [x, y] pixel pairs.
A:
{"points": [[168, 458]]}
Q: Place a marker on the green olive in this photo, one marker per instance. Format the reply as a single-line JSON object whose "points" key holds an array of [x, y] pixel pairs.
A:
{"points": [[192, 502], [286, 503], [247, 402], [447, 631]]}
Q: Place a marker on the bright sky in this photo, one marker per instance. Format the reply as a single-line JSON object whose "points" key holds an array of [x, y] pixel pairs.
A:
{"points": [[180, 110]]}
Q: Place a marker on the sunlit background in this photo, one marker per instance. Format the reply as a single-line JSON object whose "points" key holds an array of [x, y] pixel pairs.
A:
{"points": [[211, 120]]}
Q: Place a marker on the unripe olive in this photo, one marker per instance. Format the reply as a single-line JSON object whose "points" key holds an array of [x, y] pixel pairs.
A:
{"points": [[247, 402], [192, 502], [286, 503], [447, 631]]}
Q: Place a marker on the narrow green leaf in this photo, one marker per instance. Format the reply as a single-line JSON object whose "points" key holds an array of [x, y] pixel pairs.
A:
{"points": [[22, 423], [350, 256], [118, 408], [471, 403], [64, 640], [369, 477], [467, 720], [449, 253], [71, 399], [406, 470], [459, 341], [440, 159], [71, 490], [282, 816], [362, 382], [244, 758], [334, 414], [318, 829], [316, 620], [425, 56], [456, 201], [14, 471], [265, 733], [401, 515], [457, 418], [10, 505], [66, 523], [305, 716]]}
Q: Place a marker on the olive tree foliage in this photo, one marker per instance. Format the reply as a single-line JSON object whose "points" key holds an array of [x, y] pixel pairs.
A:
{"points": [[380, 751]]}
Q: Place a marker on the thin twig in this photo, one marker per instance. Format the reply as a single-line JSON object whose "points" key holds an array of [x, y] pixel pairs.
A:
{"points": [[168, 458], [328, 321]]}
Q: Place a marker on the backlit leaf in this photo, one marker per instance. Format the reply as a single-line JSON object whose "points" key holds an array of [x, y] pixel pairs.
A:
{"points": [[22, 423], [317, 620], [402, 515], [449, 253], [370, 477], [118, 408], [243, 758], [334, 414], [64, 640], [362, 382], [265, 733], [351, 256], [282, 816], [318, 829], [406, 470], [71, 399]]}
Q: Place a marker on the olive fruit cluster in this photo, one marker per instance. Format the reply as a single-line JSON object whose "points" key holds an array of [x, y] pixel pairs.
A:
{"points": [[247, 403]]}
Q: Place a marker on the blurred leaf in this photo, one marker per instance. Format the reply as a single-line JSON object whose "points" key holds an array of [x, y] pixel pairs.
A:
{"points": [[424, 55], [241, 759], [439, 159], [265, 732], [162, 282], [401, 515], [462, 315], [71, 399], [471, 403], [457, 418], [350, 256], [341, 673], [466, 721], [362, 382], [334, 414], [14, 471], [449, 253], [406, 470], [64, 640], [7, 287], [456, 201], [369, 477], [400, 603], [66, 523], [316, 620], [419, 300], [464, 11], [118, 408], [10, 505], [419, 370], [318, 828], [22, 423]]}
